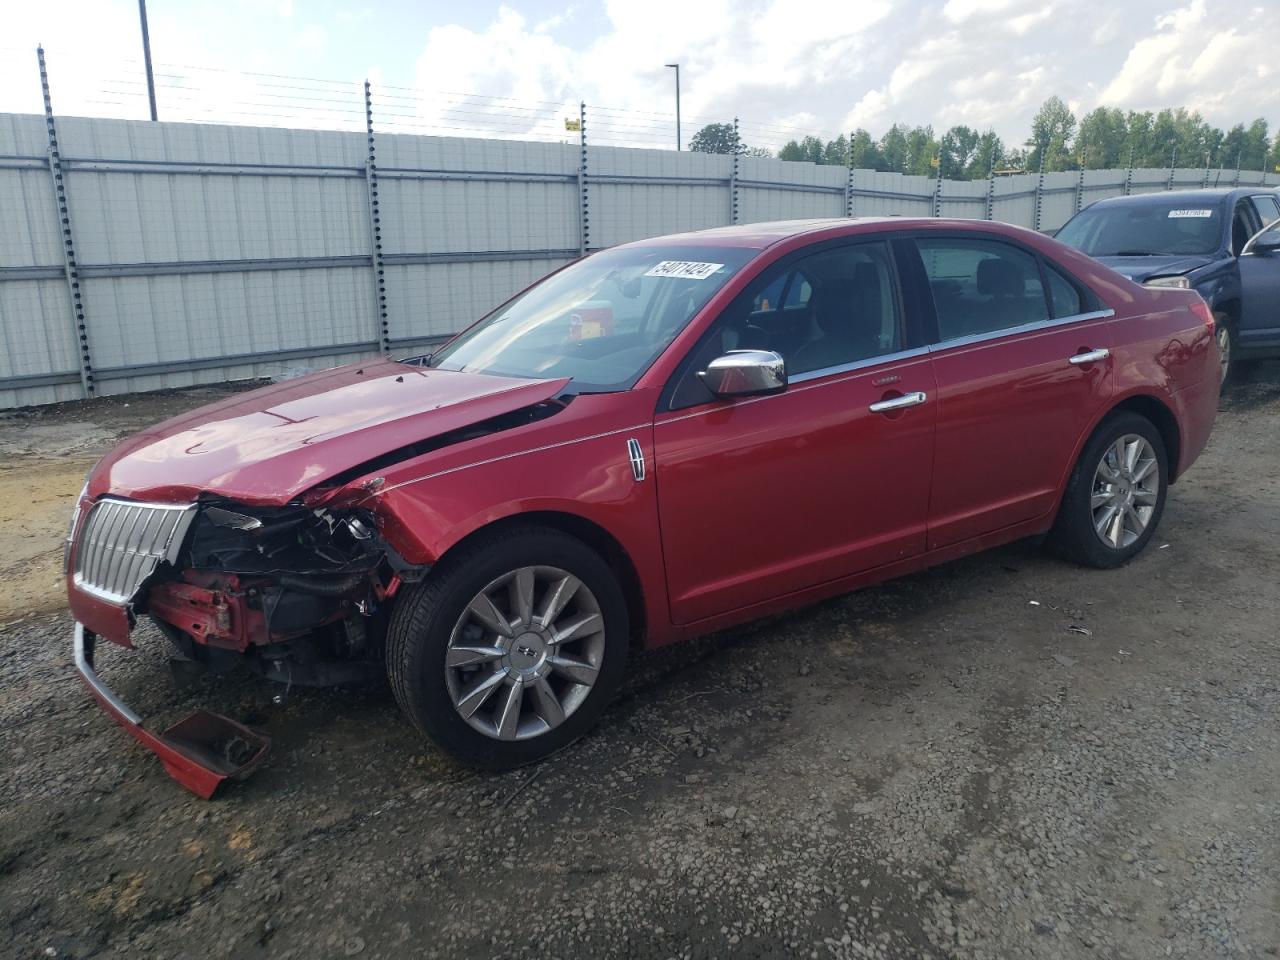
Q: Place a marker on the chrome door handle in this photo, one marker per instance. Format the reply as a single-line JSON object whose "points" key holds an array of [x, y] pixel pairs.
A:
{"points": [[1090, 356], [899, 403]]}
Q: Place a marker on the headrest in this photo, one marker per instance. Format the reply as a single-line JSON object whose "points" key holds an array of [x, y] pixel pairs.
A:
{"points": [[840, 302], [1000, 278]]}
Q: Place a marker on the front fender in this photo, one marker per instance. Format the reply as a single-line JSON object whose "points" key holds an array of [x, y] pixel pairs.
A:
{"points": [[1219, 283], [590, 479]]}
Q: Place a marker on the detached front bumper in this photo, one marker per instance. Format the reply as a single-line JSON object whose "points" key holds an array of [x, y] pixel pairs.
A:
{"points": [[199, 751]]}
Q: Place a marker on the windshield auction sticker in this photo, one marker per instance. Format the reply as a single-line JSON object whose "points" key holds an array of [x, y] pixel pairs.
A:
{"points": [[683, 269], [1177, 214]]}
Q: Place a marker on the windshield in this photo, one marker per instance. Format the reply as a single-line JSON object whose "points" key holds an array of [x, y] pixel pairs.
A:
{"points": [[1163, 226], [601, 321]]}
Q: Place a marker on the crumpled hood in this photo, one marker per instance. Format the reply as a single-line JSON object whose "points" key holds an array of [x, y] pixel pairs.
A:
{"points": [[1140, 269], [270, 445]]}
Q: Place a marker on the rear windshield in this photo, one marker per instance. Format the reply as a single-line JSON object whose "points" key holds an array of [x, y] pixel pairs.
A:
{"points": [[601, 321], [1142, 229]]}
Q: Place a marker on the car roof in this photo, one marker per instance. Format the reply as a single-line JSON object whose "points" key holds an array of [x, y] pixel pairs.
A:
{"points": [[761, 235], [1202, 195]]}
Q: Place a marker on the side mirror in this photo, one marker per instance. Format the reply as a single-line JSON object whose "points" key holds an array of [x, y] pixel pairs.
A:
{"points": [[742, 373], [1263, 243]]}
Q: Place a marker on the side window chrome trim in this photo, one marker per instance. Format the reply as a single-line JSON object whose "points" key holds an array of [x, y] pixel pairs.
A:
{"points": [[1022, 328], [856, 365]]}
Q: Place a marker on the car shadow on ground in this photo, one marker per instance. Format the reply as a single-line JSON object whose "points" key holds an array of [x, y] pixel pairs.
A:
{"points": [[315, 728], [1253, 384]]}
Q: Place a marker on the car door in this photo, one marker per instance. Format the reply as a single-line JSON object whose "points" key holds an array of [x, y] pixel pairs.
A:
{"points": [[1260, 291], [763, 496], [1021, 357]]}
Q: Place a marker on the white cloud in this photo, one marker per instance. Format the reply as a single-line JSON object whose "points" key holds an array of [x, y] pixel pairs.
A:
{"points": [[312, 38], [786, 67], [1218, 65]]}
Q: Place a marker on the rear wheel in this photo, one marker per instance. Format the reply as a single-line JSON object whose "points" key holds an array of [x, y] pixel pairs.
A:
{"points": [[511, 649], [1116, 494]]}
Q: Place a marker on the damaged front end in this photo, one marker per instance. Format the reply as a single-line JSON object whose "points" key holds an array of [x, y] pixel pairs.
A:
{"points": [[298, 593]]}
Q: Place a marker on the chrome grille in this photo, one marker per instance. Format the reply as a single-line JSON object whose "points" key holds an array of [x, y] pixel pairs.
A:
{"points": [[122, 542]]}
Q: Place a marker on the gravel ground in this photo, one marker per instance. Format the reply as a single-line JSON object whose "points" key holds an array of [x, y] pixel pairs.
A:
{"points": [[1003, 757]]}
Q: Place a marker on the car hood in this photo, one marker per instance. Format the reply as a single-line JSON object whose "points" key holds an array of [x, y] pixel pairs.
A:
{"points": [[270, 445], [1157, 265]]}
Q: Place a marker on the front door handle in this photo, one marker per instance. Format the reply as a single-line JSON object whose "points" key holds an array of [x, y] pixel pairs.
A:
{"points": [[899, 403], [1090, 356]]}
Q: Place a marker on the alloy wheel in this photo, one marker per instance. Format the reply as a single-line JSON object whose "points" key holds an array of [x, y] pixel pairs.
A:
{"points": [[525, 653], [1126, 489], [1224, 350]]}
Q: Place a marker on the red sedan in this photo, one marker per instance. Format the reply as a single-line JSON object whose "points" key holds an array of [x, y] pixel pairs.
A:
{"points": [[656, 441]]}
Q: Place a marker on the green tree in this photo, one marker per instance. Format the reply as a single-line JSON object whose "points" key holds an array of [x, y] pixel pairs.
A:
{"points": [[791, 151], [864, 153], [810, 149], [922, 151], [989, 155], [715, 138], [836, 151], [1246, 147], [1140, 147], [1052, 130], [1256, 146], [893, 149], [1102, 141], [1183, 139], [959, 148]]}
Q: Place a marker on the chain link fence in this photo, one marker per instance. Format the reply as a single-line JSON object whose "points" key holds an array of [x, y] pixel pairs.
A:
{"points": [[137, 255]]}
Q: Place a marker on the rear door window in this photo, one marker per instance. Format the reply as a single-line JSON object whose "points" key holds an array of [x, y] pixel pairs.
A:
{"points": [[1267, 209], [981, 286]]}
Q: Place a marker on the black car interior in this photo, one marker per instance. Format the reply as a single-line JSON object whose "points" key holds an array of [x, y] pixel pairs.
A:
{"points": [[980, 287]]}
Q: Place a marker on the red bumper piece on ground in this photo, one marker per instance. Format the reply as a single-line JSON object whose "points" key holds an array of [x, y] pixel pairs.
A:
{"points": [[199, 752]]}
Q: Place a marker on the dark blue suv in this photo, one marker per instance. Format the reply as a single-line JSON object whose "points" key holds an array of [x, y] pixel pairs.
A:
{"points": [[1225, 244]]}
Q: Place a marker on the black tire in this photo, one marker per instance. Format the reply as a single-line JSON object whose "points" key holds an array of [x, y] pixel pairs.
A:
{"points": [[1225, 327], [1073, 535], [426, 614]]}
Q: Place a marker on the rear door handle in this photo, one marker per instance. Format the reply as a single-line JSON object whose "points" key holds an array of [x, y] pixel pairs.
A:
{"points": [[899, 403], [1090, 356]]}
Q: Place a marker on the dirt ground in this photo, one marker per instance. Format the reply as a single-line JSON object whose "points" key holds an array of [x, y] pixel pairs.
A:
{"points": [[1004, 757]]}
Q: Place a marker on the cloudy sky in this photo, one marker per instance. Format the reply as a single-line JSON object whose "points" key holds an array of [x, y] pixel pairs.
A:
{"points": [[824, 65]]}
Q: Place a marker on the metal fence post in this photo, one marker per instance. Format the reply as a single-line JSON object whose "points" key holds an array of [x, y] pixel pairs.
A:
{"points": [[71, 268], [375, 232], [733, 177], [1173, 166], [937, 188], [991, 185], [1128, 174], [584, 216], [1040, 188], [1239, 158], [1084, 158], [848, 182]]}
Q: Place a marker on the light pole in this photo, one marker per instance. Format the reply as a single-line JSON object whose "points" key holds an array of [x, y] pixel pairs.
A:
{"points": [[676, 68], [146, 56]]}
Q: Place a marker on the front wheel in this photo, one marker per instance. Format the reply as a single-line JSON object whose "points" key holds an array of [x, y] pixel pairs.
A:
{"points": [[1116, 494], [511, 649]]}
